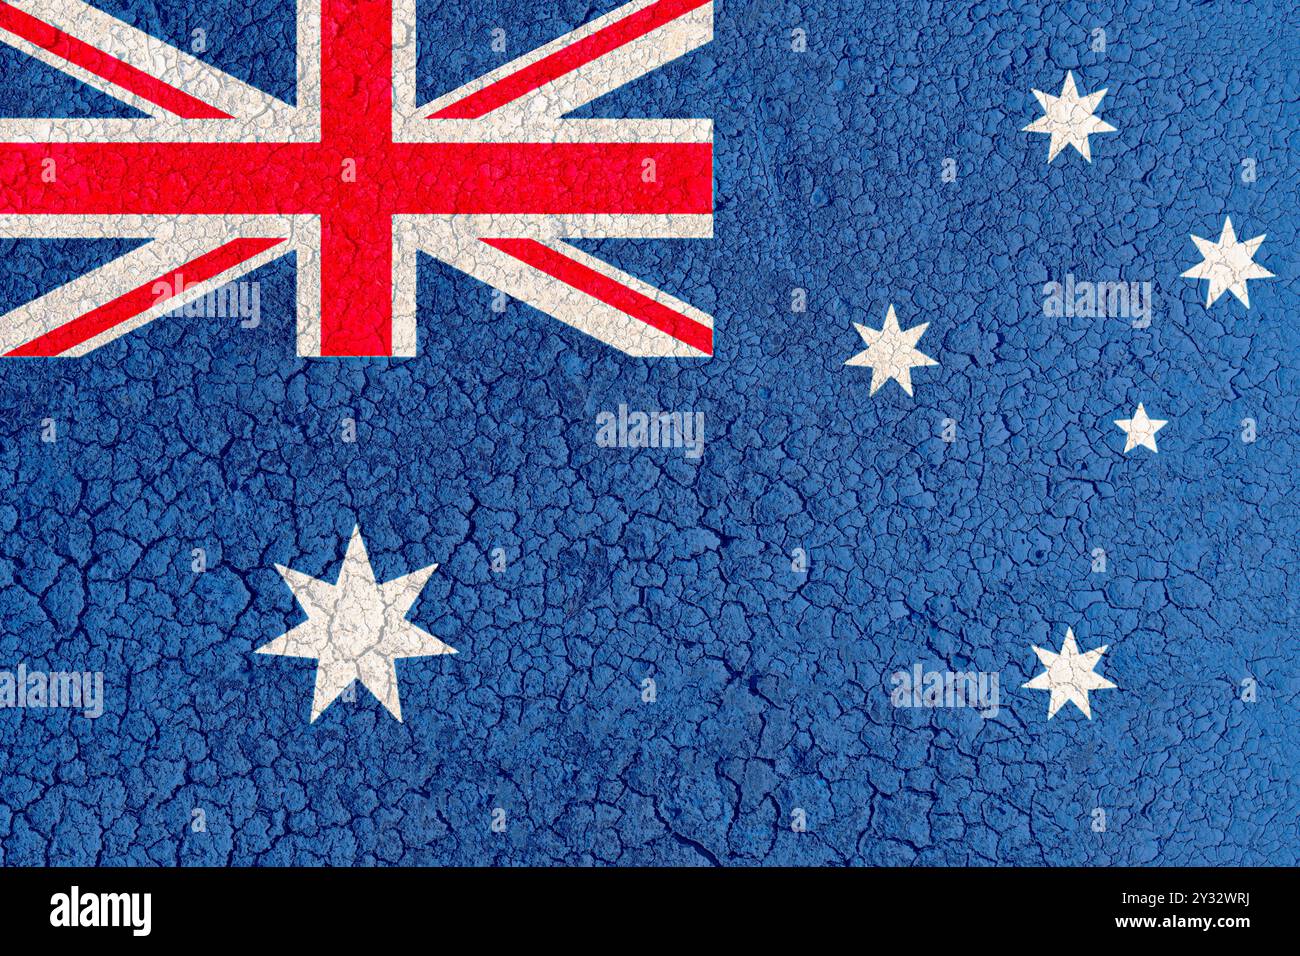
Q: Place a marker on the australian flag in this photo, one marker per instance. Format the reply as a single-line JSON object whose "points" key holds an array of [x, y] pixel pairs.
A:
{"points": [[670, 432]]}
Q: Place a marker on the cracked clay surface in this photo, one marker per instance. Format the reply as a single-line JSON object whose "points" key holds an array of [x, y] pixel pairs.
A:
{"points": [[536, 744]]}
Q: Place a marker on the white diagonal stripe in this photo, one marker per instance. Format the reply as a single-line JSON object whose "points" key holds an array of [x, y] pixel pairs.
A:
{"points": [[258, 116]]}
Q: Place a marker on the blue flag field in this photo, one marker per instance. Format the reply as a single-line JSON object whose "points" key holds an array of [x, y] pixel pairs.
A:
{"points": [[687, 434]]}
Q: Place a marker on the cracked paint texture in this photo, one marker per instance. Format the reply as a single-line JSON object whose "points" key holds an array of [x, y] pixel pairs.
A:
{"points": [[772, 688]]}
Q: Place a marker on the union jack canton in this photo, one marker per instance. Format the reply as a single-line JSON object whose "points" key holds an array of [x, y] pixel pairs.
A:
{"points": [[356, 178]]}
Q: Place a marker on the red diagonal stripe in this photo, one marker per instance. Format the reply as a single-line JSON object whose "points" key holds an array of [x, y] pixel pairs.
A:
{"points": [[142, 298], [613, 293], [115, 71], [565, 60]]}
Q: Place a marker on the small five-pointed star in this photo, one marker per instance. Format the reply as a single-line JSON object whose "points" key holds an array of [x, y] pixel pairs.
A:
{"points": [[356, 629], [1140, 429], [1227, 264], [891, 352], [1069, 119], [1069, 676]]}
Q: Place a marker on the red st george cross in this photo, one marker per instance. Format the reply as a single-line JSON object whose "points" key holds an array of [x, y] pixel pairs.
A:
{"points": [[356, 178]]}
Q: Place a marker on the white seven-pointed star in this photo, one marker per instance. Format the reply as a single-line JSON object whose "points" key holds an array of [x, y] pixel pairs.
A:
{"points": [[1069, 676], [1069, 119], [356, 628], [1227, 264], [891, 352], [1140, 429]]}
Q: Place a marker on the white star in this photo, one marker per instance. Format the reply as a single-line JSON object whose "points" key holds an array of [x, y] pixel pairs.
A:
{"points": [[1069, 676], [1069, 119], [891, 352], [356, 628], [1227, 264], [1140, 429]]}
